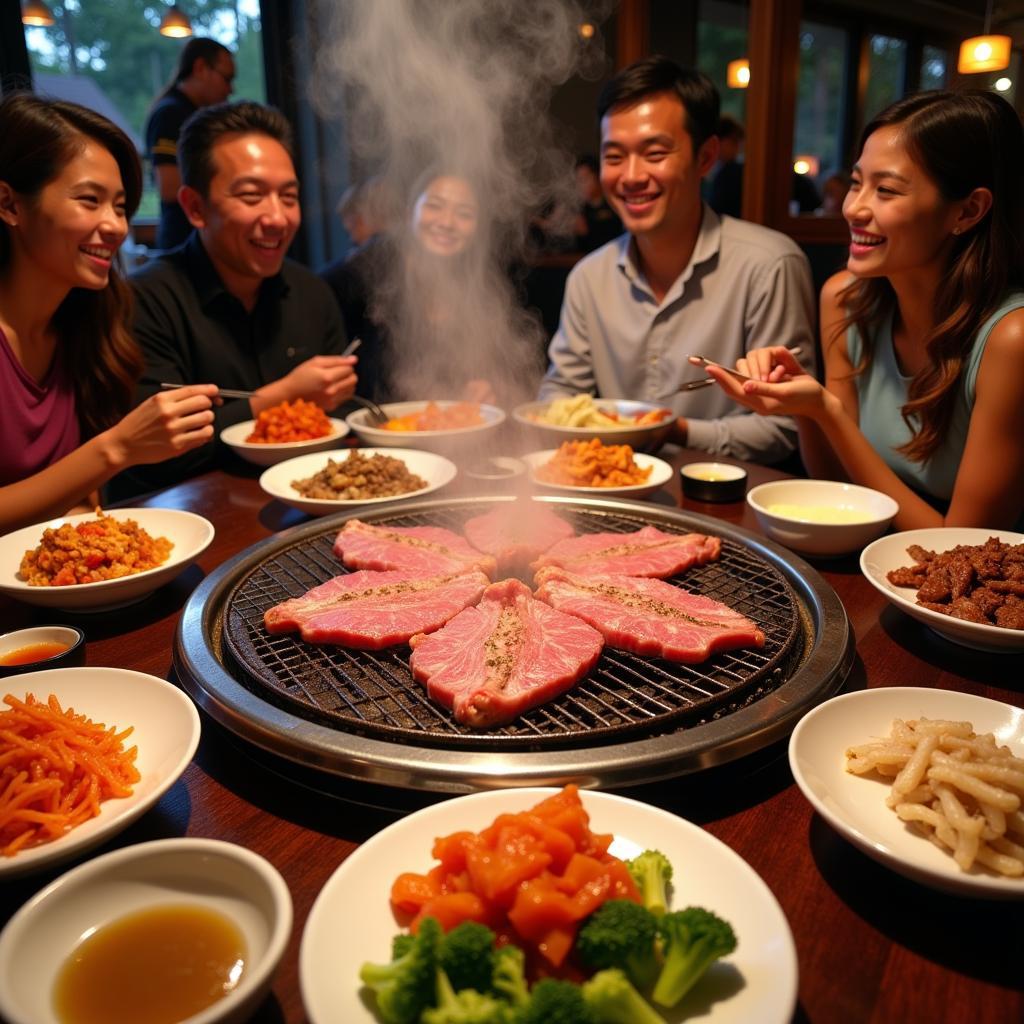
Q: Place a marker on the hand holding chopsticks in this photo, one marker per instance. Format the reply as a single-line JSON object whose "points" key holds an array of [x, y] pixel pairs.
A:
{"points": [[693, 385]]}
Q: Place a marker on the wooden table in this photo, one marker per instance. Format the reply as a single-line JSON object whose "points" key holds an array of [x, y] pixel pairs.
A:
{"points": [[872, 946]]}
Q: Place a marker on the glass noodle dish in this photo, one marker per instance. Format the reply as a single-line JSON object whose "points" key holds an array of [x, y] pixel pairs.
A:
{"points": [[582, 411]]}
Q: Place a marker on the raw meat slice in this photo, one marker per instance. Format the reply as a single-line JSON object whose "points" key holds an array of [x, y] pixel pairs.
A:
{"points": [[373, 610], [648, 616], [646, 552], [516, 533], [506, 655], [425, 548]]}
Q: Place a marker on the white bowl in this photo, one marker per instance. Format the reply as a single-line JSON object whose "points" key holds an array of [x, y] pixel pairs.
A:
{"points": [[224, 877], [641, 438], [661, 473], [270, 454], [889, 553], [854, 805], [436, 470], [190, 534], [429, 440], [810, 538], [165, 729]]}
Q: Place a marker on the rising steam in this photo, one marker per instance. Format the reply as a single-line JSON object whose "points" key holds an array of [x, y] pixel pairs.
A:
{"points": [[458, 87]]}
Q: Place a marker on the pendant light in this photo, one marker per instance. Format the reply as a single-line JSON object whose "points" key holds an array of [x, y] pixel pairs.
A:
{"points": [[175, 23], [737, 73], [985, 52], [36, 14]]}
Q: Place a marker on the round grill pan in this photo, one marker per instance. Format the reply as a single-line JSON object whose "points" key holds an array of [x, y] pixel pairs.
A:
{"points": [[359, 714]]}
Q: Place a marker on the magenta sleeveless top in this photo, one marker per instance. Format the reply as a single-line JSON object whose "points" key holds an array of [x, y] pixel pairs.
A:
{"points": [[38, 425]]}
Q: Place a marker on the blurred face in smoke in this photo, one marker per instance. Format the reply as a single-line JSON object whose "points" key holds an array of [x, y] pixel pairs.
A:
{"points": [[445, 216]]}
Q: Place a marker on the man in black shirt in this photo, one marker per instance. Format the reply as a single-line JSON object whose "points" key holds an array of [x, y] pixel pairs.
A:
{"points": [[226, 307], [205, 72]]}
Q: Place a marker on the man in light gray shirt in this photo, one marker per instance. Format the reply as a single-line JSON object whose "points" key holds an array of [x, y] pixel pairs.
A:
{"points": [[682, 281]]}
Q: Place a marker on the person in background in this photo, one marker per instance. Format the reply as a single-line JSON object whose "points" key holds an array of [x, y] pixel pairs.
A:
{"points": [[923, 332], [833, 194], [227, 306], [69, 182], [597, 223], [204, 76], [364, 210], [682, 281], [725, 195]]}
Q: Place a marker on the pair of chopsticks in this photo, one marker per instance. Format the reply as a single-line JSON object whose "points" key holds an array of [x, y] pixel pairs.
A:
{"points": [[234, 393], [693, 385]]}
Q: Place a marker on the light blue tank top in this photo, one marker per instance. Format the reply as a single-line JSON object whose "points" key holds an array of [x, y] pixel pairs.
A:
{"points": [[882, 392]]}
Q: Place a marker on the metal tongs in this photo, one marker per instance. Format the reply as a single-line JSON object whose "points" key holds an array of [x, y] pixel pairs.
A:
{"points": [[377, 416], [693, 385]]}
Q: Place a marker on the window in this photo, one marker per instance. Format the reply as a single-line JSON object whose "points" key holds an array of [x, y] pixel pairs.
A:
{"points": [[887, 72], [721, 38], [934, 68], [108, 55], [821, 96]]}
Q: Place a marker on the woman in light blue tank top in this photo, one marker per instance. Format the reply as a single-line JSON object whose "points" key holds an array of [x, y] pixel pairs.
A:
{"points": [[923, 333]]}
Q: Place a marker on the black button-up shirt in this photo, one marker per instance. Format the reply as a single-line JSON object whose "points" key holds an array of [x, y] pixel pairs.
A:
{"points": [[193, 331]]}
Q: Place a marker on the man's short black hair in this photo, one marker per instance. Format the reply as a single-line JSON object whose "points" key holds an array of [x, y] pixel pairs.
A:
{"points": [[208, 125], [656, 74]]}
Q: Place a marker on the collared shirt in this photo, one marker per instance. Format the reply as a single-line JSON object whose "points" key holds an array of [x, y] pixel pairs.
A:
{"points": [[193, 331], [745, 287], [163, 126]]}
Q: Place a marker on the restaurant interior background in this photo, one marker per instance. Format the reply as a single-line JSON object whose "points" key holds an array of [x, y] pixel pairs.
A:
{"points": [[815, 73]]}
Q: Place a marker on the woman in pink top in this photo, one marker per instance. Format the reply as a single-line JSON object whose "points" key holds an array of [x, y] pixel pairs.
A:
{"points": [[69, 181]]}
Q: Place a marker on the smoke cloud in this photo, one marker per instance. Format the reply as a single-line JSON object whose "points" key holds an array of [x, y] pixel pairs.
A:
{"points": [[458, 88]]}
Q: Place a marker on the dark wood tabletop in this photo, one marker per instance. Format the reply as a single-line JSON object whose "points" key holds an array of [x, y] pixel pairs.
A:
{"points": [[872, 945]]}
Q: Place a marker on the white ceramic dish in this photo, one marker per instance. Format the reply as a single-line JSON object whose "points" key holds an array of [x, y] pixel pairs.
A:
{"points": [[854, 805], [757, 983], [829, 539], [436, 470], [224, 877], [270, 454], [647, 438], [166, 731], [190, 534], [890, 553], [661, 473], [460, 439]]}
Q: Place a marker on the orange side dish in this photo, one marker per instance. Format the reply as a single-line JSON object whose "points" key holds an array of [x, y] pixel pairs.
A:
{"points": [[290, 421], [433, 417], [592, 464], [56, 767], [532, 877]]}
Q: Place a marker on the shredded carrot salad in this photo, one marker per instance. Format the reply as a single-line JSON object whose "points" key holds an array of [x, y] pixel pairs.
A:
{"points": [[56, 767], [290, 421]]}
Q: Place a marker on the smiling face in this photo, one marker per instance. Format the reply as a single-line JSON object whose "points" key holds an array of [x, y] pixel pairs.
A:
{"points": [[649, 170], [250, 216], [445, 216], [898, 219], [72, 228]]}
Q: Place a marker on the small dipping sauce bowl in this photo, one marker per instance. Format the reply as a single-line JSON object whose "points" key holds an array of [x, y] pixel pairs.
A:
{"points": [[39, 647], [713, 481], [494, 469], [223, 878]]}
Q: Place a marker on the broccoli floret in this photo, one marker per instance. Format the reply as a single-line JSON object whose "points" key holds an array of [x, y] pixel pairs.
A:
{"points": [[466, 955], [621, 933], [613, 1000], [407, 986], [467, 1006], [652, 872], [401, 944], [693, 939], [509, 977], [555, 1002]]}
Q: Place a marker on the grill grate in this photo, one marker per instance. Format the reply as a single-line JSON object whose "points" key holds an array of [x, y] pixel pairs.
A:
{"points": [[373, 692]]}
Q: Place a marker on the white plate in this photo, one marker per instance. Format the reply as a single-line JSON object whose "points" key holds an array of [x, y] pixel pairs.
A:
{"points": [[648, 438], [436, 470], [854, 805], [190, 534], [661, 473], [166, 732], [430, 440], [351, 920], [270, 454], [889, 553]]}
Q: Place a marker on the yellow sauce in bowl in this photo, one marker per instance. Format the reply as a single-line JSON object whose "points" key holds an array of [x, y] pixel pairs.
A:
{"points": [[835, 514]]}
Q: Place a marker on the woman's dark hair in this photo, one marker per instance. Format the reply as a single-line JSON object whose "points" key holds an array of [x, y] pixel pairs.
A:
{"points": [[963, 141], [656, 74], [197, 48], [207, 126], [37, 139]]}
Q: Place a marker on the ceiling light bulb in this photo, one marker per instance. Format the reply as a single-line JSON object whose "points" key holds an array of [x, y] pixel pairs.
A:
{"points": [[36, 14], [175, 23]]}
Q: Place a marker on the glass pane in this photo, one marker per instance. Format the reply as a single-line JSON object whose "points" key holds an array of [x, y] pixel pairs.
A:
{"points": [[109, 55], [721, 38], [820, 112], [934, 68], [887, 59]]}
